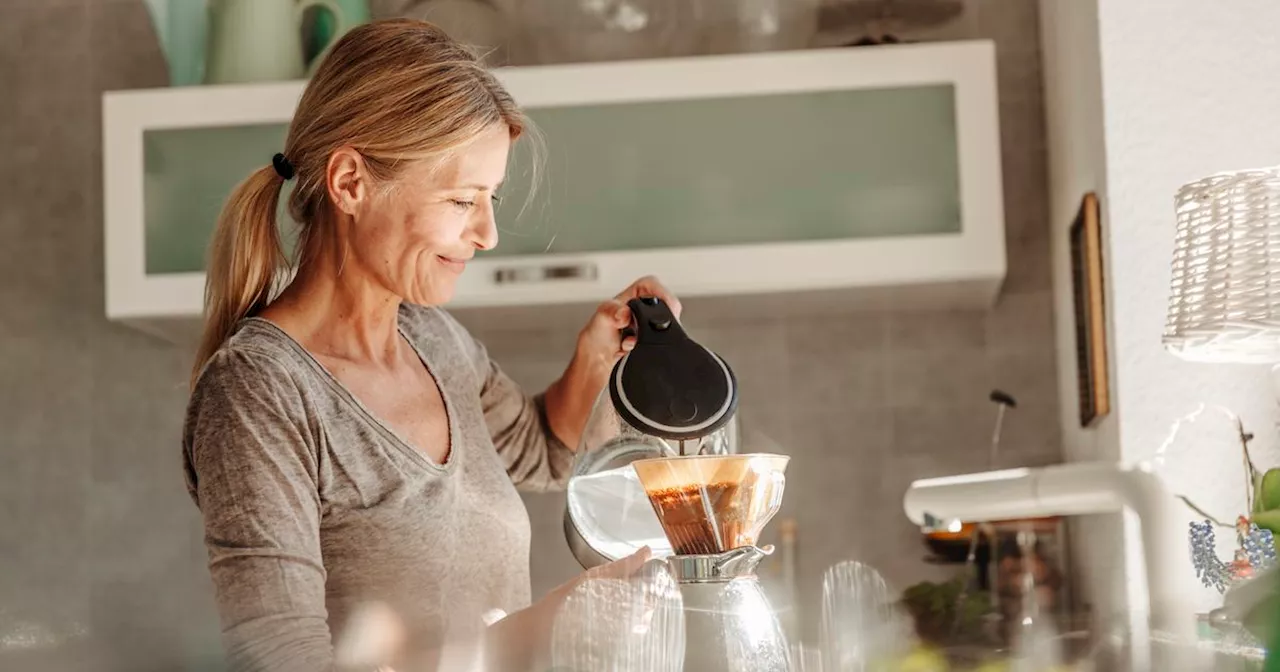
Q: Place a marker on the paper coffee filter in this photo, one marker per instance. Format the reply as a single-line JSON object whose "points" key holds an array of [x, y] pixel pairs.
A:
{"points": [[710, 504], [665, 473]]}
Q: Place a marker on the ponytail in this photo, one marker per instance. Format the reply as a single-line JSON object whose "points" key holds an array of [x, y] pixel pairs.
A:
{"points": [[245, 259]]}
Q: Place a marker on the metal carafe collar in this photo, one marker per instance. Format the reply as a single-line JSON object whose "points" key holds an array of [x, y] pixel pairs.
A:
{"points": [[732, 564]]}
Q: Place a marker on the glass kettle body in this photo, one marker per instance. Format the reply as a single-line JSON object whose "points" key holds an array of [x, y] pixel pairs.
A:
{"points": [[608, 515]]}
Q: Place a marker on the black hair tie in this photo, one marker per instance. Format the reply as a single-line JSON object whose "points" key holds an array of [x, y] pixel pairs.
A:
{"points": [[283, 168]]}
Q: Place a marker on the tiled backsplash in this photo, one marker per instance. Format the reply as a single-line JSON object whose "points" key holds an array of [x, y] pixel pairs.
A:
{"points": [[100, 546]]}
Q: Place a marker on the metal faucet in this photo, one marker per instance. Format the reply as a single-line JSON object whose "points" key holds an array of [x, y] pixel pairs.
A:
{"points": [[1075, 489]]}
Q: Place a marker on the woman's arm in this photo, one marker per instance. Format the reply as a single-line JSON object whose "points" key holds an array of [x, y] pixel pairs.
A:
{"points": [[520, 642], [525, 640], [570, 399], [253, 475]]}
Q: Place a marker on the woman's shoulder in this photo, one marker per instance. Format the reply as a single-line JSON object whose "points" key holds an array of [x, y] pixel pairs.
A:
{"points": [[254, 367], [246, 405]]}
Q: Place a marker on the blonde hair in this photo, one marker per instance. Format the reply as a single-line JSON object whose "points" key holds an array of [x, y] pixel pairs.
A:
{"points": [[395, 91]]}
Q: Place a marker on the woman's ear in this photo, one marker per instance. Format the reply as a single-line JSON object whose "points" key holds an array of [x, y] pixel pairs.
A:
{"points": [[347, 180]]}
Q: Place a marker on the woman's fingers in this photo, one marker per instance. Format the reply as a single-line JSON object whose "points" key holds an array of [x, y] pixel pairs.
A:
{"points": [[632, 563], [606, 325], [622, 568], [614, 313], [605, 328], [651, 286], [603, 340], [374, 634]]}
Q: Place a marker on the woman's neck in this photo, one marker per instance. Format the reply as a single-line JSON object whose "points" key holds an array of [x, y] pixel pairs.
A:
{"points": [[339, 311]]}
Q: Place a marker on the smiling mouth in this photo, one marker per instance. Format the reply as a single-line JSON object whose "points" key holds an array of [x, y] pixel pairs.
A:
{"points": [[453, 264]]}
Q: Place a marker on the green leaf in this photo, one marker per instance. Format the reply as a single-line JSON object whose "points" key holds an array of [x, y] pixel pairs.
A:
{"points": [[1268, 520], [1257, 488], [1267, 496]]}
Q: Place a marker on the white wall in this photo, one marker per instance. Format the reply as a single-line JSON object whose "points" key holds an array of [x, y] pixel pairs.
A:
{"points": [[1074, 125], [1191, 88], [1073, 116], [1188, 88]]}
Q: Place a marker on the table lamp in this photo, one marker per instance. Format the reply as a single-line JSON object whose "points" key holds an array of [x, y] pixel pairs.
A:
{"points": [[1224, 298]]}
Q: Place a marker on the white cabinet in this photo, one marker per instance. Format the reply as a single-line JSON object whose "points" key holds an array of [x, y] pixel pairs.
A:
{"points": [[840, 169]]}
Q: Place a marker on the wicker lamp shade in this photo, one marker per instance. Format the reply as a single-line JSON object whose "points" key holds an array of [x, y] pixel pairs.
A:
{"points": [[1224, 299]]}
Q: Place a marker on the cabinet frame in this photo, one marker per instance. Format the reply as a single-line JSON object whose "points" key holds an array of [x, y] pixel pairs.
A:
{"points": [[970, 264]]}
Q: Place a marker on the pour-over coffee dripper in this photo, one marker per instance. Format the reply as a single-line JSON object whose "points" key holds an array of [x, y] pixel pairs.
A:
{"points": [[710, 504]]}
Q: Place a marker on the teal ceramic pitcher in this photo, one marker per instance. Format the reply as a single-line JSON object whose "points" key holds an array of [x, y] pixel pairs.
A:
{"points": [[325, 31], [260, 40], [182, 29]]}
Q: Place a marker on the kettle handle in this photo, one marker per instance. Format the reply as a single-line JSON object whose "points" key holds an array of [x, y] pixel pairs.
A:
{"points": [[629, 331], [652, 322]]}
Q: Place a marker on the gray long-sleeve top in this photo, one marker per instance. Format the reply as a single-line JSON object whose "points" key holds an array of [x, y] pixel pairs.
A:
{"points": [[312, 506]]}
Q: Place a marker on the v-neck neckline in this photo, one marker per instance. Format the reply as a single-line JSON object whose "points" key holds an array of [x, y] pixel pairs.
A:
{"points": [[383, 427]]}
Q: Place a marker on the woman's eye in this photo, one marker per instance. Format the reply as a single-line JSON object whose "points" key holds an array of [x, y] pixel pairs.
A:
{"points": [[497, 200], [465, 205]]}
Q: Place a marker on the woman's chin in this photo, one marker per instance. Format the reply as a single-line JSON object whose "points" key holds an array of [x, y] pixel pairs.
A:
{"points": [[435, 294]]}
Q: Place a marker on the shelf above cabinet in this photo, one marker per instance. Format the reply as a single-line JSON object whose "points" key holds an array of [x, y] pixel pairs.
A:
{"points": [[871, 170]]}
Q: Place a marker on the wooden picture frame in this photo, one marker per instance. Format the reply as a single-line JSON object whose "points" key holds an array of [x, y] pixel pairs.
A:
{"points": [[1088, 288]]}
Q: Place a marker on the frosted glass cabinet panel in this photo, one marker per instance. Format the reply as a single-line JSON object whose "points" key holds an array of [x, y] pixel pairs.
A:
{"points": [[759, 169], [189, 173], [725, 171], [800, 171]]}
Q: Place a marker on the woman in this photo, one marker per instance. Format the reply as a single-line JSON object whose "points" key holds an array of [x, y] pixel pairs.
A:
{"points": [[348, 442]]}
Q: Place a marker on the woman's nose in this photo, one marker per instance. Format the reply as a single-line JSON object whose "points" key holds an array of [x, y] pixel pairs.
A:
{"points": [[484, 229]]}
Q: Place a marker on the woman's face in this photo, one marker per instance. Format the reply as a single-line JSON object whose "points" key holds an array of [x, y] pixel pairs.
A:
{"points": [[417, 237]]}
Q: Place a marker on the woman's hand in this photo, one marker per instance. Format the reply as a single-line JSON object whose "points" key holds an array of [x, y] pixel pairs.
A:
{"points": [[522, 641], [618, 569], [600, 345]]}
